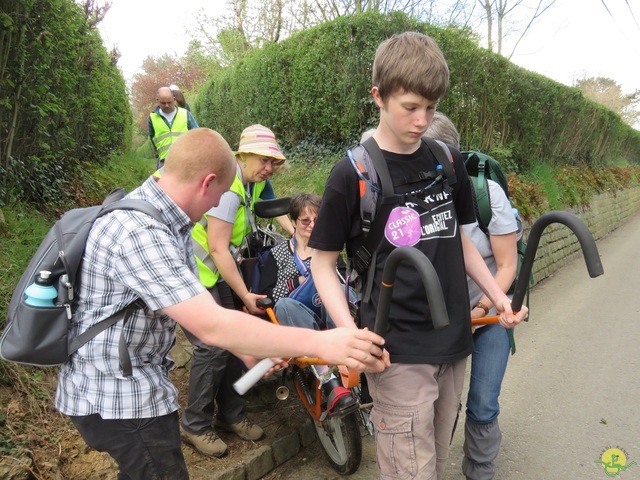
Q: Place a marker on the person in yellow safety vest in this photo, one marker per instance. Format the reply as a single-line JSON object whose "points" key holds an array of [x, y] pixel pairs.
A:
{"points": [[221, 231], [166, 123]]}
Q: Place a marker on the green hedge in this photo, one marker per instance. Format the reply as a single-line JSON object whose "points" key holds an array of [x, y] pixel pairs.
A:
{"points": [[64, 100], [314, 89]]}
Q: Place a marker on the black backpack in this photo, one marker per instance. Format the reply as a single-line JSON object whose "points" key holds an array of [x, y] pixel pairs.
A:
{"points": [[40, 335]]}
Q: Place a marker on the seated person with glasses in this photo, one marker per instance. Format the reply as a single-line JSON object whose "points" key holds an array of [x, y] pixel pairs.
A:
{"points": [[286, 279]]}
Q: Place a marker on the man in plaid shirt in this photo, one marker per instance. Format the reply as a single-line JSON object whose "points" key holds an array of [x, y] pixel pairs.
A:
{"points": [[130, 255]]}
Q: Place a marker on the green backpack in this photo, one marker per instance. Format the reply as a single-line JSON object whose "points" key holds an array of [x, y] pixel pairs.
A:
{"points": [[481, 168]]}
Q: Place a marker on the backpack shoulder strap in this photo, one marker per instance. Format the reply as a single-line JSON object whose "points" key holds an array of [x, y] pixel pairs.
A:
{"points": [[93, 331], [134, 204], [373, 163], [125, 359], [379, 167], [443, 155], [477, 170], [369, 183], [483, 198]]}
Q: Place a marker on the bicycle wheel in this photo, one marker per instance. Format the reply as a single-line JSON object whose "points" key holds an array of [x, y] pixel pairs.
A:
{"points": [[341, 442]]}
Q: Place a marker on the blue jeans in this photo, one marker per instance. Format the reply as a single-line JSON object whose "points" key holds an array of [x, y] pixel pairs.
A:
{"points": [[292, 313], [482, 433], [488, 366]]}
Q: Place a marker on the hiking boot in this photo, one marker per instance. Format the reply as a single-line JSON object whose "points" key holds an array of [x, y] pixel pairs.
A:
{"points": [[340, 401], [245, 429], [207, 443]]}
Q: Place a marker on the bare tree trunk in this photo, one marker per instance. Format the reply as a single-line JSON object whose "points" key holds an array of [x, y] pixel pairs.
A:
{"points": [[238, 8], [486, 4], [93, 13], [13, 127], [503, 10], [6, 144], [278, 27], [502, 7]]}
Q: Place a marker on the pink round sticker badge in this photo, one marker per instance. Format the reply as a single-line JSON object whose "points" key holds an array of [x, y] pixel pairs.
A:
{"points": [[403, 227]]}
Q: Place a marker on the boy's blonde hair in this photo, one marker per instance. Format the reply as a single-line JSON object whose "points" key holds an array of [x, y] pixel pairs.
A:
{"points": [[411, 62]]}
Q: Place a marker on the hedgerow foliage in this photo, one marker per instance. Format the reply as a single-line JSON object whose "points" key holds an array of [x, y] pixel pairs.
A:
{"points": [[64, 102], [314, 89]]}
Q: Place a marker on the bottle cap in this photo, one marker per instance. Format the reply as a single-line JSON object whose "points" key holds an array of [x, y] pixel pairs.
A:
{"points": [[43, 278]]}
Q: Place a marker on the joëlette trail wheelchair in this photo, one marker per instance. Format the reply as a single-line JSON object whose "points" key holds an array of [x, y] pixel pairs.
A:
{"points": [[340, 435]]}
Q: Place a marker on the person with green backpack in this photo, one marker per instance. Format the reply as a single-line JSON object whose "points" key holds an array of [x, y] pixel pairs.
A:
{"points": [[497, 245]]}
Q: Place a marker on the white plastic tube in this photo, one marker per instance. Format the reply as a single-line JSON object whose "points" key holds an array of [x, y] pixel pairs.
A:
{"points": [[250, 378]]}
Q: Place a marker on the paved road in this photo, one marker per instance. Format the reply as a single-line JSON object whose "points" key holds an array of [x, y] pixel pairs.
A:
{"points": [[571, 391]]}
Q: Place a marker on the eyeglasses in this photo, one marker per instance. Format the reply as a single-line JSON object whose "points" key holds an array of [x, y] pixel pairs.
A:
{"points": [[307, 221]]}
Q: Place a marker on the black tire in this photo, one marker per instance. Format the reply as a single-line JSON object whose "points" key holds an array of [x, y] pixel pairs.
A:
{"points": [[341, 442]]}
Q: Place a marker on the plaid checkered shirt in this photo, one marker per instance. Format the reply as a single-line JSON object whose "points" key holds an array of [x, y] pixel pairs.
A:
{"points": [[129, 255]]}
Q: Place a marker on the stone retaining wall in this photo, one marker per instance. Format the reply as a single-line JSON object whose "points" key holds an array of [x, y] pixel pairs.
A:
{"points": [[605, 213]]}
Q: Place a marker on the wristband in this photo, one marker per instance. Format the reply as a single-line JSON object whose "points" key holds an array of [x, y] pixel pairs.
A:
{"points": [[483, 307]]}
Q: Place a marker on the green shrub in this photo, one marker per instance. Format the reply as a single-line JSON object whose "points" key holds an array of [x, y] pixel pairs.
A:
{"points": [[314, 89], [65, 103]]}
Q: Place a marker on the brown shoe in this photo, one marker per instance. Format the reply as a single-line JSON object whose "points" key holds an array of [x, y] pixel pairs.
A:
{"points": [[207, 443], [245, 429]]}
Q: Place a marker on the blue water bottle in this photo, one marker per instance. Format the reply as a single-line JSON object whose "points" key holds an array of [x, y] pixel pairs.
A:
{"points": [[41, 293]]}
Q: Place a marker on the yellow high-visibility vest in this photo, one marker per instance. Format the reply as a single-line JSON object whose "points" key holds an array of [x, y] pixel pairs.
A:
{"points": [[165, 135], [207, 269]]}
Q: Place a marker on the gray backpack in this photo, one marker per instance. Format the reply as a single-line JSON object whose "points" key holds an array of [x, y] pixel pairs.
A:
{"points": [[40, 335]]}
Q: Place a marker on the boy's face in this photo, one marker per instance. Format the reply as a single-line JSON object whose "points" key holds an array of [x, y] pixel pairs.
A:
{"points": [[405, 116]]}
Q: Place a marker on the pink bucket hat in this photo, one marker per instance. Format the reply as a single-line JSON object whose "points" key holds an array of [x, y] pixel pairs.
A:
{"points": [[259, 140]]}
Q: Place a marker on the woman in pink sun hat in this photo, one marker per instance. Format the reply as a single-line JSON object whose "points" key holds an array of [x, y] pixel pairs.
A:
{"points": [[217, 245], [258, 158]]}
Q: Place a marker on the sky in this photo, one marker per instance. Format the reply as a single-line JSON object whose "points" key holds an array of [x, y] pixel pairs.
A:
{"points": [[574, 39]]}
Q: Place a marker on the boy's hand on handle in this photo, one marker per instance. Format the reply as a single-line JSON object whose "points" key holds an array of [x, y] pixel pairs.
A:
{"points": [[508, 319], [359, 349]]}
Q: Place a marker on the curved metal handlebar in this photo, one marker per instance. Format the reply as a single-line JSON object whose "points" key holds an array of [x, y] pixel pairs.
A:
{"points": [[433, 288], [430, 280], [275, 207], [587, 243], [265, 303]]}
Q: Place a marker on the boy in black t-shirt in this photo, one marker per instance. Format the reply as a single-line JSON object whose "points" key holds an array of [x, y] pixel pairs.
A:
{"points": [[416, 400]]}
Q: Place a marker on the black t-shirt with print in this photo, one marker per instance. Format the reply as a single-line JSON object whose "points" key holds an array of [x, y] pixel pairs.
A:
{"points": [[433, 226]]}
